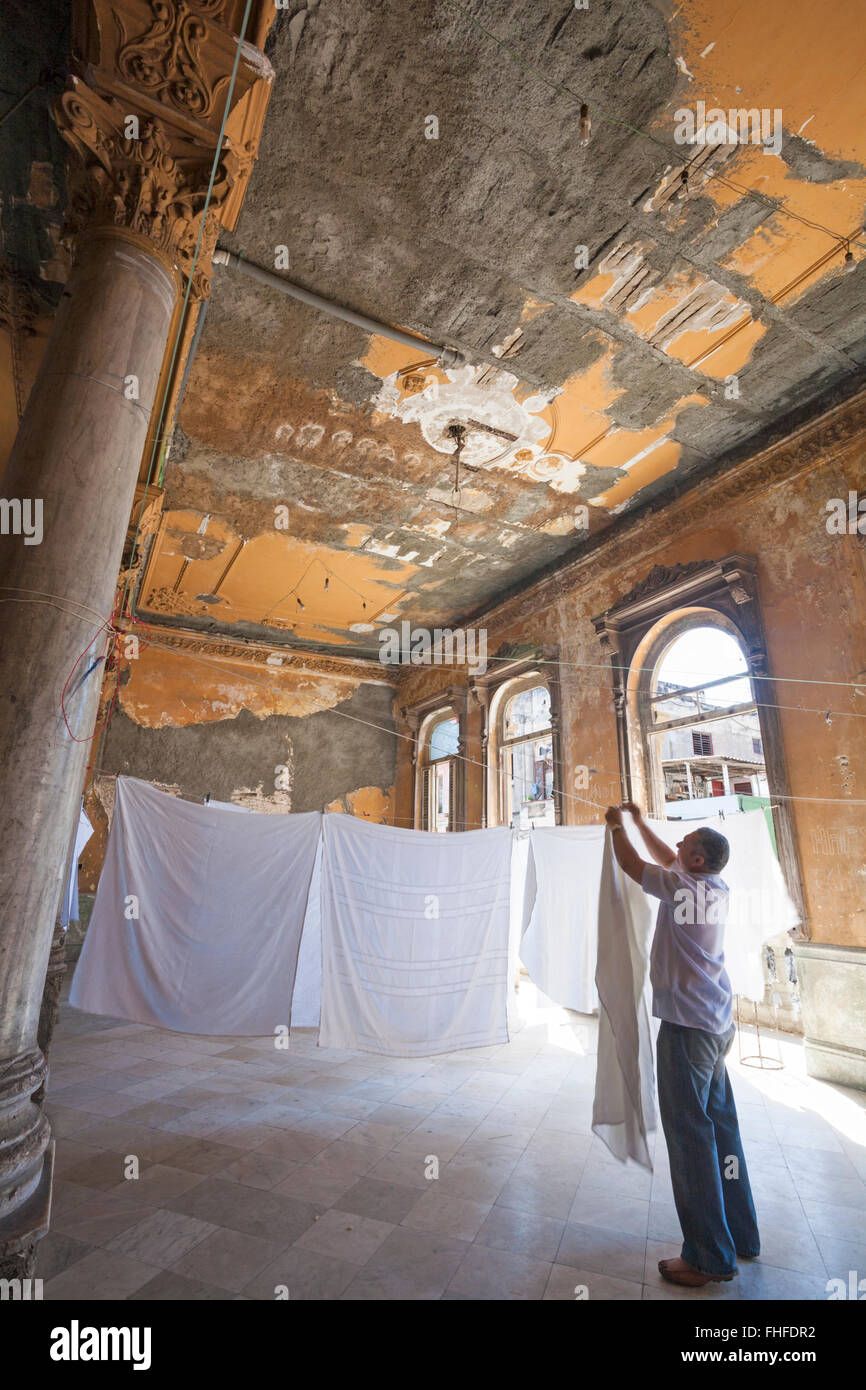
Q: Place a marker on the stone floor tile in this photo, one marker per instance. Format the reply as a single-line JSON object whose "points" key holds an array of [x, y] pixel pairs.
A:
{"points": [[227, 1259], [497, 1275], [408, 1264]]}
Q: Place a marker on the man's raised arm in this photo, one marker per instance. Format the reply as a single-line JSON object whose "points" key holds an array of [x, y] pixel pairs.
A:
{"points": [[661, 853], [626, 855]]}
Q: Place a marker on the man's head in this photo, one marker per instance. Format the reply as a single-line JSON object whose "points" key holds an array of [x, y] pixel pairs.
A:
{"points": [[703, 851]]}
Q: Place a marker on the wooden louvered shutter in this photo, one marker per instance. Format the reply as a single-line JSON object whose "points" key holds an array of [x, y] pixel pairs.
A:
{"points": [[424, 810], [453, 797]]}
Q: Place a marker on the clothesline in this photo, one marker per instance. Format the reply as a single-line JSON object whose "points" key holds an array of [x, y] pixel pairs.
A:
{"points": [[463, 758], [521, 832], [571, 796], [859, 687]]}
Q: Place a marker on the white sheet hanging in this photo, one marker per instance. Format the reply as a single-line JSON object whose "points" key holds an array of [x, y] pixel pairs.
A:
{"points": [[414, 938], [519, 870], [70, 910], [623, 1111], [220, 903], [560, 936], [307, 998], [760, 906]]}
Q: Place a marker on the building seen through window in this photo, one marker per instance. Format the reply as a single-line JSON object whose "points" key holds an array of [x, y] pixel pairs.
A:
{"points": [[440, 773], [526, 744], [704, 724]]}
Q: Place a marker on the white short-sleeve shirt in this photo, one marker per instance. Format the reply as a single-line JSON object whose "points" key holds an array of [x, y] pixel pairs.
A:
{"points": [[687, 962]]}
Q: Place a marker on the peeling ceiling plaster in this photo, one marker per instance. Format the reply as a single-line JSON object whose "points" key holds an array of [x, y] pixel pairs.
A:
{"points": [[629, 339]]}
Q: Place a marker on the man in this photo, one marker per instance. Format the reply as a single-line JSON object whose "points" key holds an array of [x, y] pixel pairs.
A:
{"points": [[692, 997]]}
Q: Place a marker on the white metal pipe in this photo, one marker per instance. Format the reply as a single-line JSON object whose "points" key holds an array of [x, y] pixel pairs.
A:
{"points": [[448, 357]]}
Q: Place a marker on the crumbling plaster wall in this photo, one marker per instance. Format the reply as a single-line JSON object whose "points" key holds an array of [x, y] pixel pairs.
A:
{"points": [[812, 588], [273, 742]]}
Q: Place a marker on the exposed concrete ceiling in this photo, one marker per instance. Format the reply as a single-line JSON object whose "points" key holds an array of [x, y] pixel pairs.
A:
{"points": [[691, 327]]}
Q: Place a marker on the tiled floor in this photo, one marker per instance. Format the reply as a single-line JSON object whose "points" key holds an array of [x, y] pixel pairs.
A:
{"points": [[308, 1173]]}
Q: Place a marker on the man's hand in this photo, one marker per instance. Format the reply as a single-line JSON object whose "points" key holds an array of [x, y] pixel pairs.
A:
{"points": [[613, 815], [633, 807]]}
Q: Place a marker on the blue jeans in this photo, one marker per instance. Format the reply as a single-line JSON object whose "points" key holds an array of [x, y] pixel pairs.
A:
{"points": [[712, 1193]]}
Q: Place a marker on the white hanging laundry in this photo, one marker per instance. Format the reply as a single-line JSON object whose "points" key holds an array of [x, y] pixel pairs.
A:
{"points": [[307, 998], [70, 910], [519, 869], [560, 935], [197, 921], [623, 1111], [760, 906], [414, 938]]}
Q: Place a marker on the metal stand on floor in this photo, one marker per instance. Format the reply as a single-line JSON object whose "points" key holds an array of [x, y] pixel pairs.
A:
{"points": [[759, 1059]]}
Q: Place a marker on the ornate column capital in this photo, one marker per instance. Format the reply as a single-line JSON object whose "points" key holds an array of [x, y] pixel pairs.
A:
{"points": [[142, 184], [143, 114]]}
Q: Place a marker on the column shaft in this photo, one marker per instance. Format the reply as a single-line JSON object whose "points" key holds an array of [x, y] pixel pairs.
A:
{"points": [[78, 452]]}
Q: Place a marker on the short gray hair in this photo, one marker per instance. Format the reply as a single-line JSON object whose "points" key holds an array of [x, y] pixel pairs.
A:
{"points": [[716, 849]]}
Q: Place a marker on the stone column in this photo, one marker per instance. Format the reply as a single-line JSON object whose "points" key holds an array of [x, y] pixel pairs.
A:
{"points": [[50, 1006], [76, 459]]}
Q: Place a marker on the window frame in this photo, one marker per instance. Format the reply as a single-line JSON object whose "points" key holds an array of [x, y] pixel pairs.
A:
{"points": [[507, 745], [507, 678], [635, 631], [422, 718]]}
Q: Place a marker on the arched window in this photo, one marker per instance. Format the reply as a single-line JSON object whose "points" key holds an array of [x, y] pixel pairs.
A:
{"points": [[701, 727], [695, 708], [526, 764], [439, 773]]}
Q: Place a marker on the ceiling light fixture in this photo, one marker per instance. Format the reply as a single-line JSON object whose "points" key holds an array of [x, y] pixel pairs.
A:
{"points": [[585, 125], [850, 261]]}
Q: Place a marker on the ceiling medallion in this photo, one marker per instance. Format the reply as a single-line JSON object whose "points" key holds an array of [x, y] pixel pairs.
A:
{"points": [[498, 431]]}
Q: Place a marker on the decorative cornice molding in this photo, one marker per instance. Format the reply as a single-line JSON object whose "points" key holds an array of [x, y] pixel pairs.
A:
{"points": [[660, 577], [668, 586], [255, 654], [145, 113], [447, 697], [172, 59]]}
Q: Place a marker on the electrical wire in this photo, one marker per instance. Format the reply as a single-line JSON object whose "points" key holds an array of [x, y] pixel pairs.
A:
{"points": [[859, 686], [18, 589], [409, 738]]}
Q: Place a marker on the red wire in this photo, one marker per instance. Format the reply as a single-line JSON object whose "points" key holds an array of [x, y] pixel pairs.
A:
{"points": [[108, 626]]}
